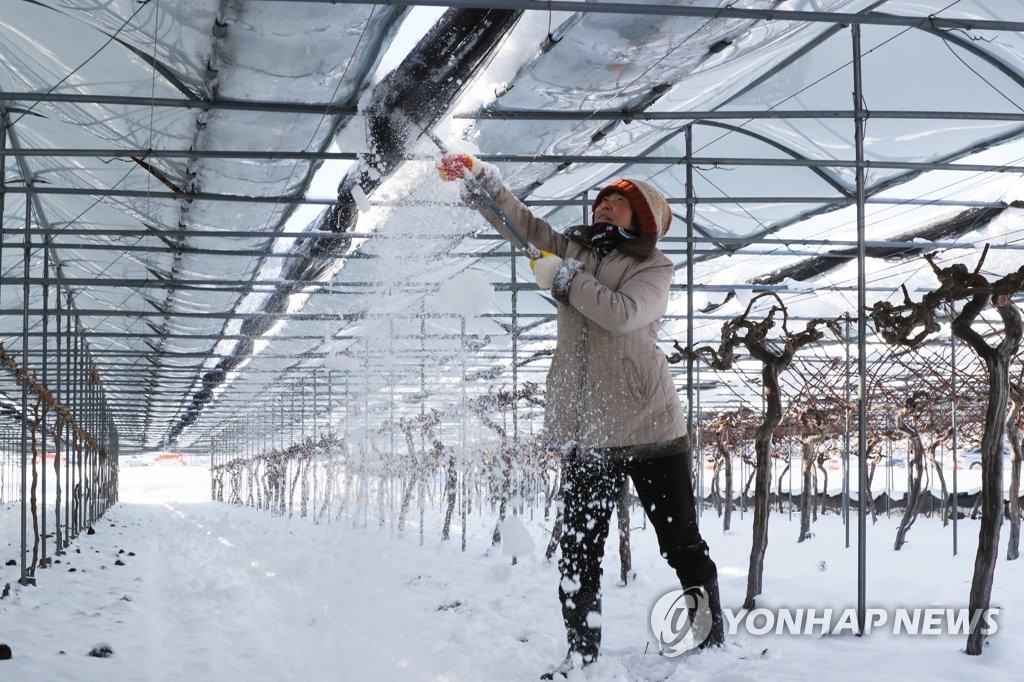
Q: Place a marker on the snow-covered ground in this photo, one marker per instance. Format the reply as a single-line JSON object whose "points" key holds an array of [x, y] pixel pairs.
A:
{"points": [[212, 592]]}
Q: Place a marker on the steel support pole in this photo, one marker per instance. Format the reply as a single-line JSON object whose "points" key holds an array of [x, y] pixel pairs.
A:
{"points": [[58, 538], [27, 573], [846, 439], [71, 391], [43, 431], [86, 452], [463, 508], [953, 388], [90, 428], [860, 118], [4, 122], [694, 461], [695, 442], [75, 374], [515, 347], [689, 278], [68, 433]]}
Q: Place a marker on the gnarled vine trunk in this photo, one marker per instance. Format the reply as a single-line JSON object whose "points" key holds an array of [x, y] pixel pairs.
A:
{"points": [[1013, 438], [997, 362], [807, 486], [916, 476], [763, 481], [724, 464]]}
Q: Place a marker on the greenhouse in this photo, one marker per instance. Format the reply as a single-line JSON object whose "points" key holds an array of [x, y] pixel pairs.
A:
{"points": [[255, 324]]}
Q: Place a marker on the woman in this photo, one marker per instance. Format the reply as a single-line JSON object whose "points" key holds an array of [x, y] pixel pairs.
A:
{"points": [[611, 405]]}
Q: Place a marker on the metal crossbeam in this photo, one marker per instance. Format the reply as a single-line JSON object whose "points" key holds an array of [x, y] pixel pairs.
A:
{"points": [[727, 12], [729, 114], [312, 109]]}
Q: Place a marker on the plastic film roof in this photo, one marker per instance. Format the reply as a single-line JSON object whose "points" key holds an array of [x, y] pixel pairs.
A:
{"points": [[163, 156]]}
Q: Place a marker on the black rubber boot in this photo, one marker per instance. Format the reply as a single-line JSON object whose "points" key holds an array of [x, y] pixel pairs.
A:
{"points": [[713, 604], [561, 671]]}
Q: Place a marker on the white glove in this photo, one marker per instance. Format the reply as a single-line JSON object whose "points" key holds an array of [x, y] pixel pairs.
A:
{"points": [[488, 179], [544, 269]]}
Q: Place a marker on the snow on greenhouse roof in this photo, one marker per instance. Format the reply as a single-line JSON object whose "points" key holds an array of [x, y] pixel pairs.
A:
{"points": [[164, 155]]}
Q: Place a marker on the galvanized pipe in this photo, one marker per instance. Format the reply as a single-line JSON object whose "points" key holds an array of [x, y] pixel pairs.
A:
{"points": [[27, 572], [708, 12], [859, 125]]}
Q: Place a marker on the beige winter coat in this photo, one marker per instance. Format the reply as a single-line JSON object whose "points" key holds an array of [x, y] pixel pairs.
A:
{"points": [[609, 386]]}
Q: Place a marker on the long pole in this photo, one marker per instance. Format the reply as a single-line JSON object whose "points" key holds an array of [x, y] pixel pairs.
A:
{"points": [[58, 433], [43, 432], [68, 432], [689, 278], [474, 186], [690, 432], [26, 572], [846, 440], [952, 408], [862, 478]]}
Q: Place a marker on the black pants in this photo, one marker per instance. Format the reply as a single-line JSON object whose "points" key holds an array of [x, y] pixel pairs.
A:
{"points": [[591, 487]]}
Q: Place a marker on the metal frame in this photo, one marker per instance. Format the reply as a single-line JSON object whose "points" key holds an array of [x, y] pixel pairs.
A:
{"points": [[222, 418]]}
